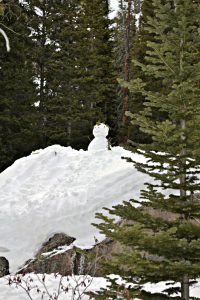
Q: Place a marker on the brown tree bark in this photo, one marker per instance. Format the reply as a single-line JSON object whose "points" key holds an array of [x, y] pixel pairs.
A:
{"points": [[127, 24]]}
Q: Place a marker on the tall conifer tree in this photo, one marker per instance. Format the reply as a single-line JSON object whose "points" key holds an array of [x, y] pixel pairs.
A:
{"points": [[131, 44], [163, 232], [99, 75], [125, 36], [45, 22], [138, 52]]}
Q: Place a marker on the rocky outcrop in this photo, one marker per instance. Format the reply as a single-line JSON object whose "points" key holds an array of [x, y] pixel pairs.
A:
{"points": [[4, 266], [56, 241], [50, 259], [64, 263]]}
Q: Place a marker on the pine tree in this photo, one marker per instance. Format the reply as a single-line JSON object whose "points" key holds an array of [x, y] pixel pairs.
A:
{"points": [[43, 26], [17, 95], [98, 82], [125, 36], [163, 232], [131, 44], [138, 52]]}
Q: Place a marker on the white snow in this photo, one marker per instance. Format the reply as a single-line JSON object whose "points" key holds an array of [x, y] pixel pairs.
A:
{"points": [[79, 284], [114, 6], [59, 250], [52, 283], [59, 189]]}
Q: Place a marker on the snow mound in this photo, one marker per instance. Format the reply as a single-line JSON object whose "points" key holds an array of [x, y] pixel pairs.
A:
{"points": [[59, 189]]}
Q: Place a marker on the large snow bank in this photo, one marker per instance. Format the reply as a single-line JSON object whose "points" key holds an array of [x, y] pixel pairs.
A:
{"points": [[59, 189]]}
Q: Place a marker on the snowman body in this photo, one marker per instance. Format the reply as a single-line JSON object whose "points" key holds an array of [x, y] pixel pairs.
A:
{"points": [[100, 142]]}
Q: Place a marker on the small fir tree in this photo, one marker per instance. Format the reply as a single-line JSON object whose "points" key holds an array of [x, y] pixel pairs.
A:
{"points": [[163, 233]]}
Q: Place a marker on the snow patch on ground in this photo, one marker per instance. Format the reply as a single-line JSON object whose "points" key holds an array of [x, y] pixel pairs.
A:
{"points": [[50, 286], [79, 284]]}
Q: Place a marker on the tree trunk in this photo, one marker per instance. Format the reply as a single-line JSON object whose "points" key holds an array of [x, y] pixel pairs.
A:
{"points": [[127, 23], [185, 288], [69, 132], [42, 95]]}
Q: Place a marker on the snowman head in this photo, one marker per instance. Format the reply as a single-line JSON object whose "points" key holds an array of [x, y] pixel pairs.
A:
{"points": [[100, 130]]}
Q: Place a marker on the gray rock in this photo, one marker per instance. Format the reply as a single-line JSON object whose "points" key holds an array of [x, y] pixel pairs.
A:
{"points": [[62, 263], [4, 266], [74, 260]]}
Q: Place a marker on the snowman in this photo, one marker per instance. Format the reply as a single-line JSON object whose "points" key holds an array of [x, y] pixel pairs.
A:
{"points": [[100, 142]]}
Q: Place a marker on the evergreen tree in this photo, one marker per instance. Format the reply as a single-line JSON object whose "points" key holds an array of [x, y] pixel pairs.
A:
{"points": [[98, 82], [131, 44], [45, 19], [125, 36], [17, 95], [163, 232], [138, 52]]}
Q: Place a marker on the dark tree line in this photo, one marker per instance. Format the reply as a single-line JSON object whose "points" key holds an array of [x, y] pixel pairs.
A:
{"points": [[64, 71]]}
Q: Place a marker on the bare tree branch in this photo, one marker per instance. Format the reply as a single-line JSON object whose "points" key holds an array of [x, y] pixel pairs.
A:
{"points": [[6, 39]]}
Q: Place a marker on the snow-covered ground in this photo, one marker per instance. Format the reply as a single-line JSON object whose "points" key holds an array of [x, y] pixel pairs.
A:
{"points": [[65, 288], [50, 286], [59, 189]]}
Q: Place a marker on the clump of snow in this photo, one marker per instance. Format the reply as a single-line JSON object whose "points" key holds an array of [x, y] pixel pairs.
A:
{"points": [[59, 250]]}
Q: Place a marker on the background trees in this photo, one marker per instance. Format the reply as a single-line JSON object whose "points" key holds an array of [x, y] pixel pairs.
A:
{"points": [[65, 79], [75, 54], [73, 62]]}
